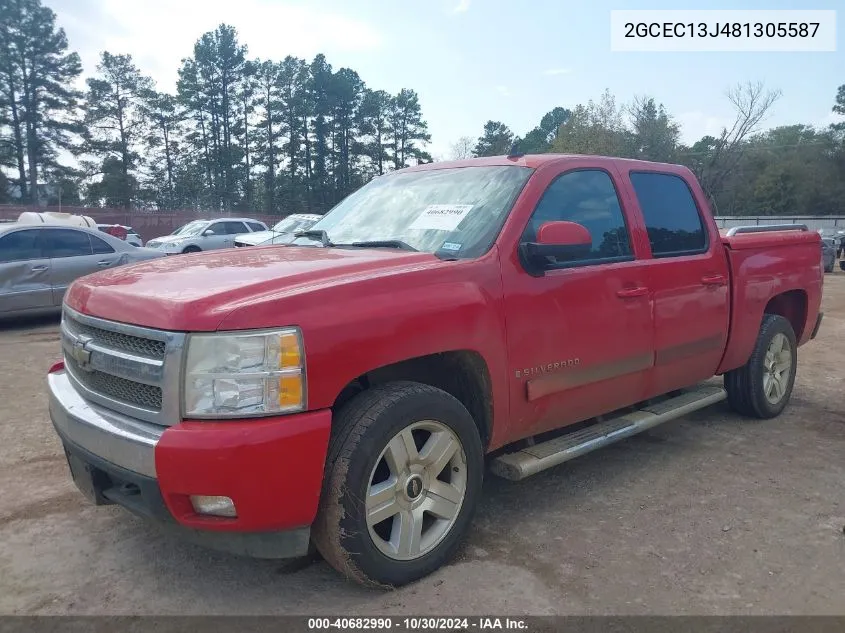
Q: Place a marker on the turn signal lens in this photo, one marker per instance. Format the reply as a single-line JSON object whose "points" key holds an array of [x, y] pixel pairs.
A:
{"points": [[290, 391], [290, 355]]}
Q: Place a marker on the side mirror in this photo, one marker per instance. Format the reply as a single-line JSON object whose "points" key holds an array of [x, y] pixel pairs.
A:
{"points": [[558, 240], [208, 232]]}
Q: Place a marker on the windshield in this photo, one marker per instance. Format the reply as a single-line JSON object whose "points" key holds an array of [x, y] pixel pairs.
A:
{"points": [[191, 229], [457, 211], [292, 225]]}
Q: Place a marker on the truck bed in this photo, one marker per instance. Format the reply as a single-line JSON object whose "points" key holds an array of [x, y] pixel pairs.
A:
{"points": [[777, 264]]}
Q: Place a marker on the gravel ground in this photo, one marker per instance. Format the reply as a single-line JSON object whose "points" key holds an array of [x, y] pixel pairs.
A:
{"points": [[712, 514]]}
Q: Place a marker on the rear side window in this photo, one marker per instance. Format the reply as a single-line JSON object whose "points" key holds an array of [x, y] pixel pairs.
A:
{"points": [[20, 246], [67, 243], [229, 228], [671, 216], [255, 226], [100, 246]]}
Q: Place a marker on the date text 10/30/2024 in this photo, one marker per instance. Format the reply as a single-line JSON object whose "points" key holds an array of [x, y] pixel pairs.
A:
{"points": [[416, 624]]}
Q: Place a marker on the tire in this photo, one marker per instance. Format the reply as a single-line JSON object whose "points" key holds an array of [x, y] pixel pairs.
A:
{"points": [[365, 456], [192, 249], [750, 388]]}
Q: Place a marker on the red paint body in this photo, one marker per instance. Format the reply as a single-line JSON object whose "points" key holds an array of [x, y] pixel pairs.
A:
{"points": [[272, 469], [637, 329]]}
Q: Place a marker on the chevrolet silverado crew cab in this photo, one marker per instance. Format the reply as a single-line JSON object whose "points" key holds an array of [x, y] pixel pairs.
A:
{"points": [[350, 390]]}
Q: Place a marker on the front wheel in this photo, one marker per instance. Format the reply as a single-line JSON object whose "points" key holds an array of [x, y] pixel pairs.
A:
{"points": [[192, 249], [403, 476], [762, 387]]}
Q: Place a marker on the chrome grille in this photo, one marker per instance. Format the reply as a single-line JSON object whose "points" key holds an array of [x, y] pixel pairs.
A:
{"points": [[128, 391], [130, 369], [124, 342]]}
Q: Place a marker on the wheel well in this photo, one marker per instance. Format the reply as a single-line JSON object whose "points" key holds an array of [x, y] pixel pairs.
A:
{"points": [[463, 374], [792, 306]]}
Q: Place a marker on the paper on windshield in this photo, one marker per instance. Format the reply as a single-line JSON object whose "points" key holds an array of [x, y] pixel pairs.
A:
{"points": [[441, 217]]}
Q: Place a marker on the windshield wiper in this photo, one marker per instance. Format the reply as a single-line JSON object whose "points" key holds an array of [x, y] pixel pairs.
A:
{"points": [[382, 244], [317, 234]]}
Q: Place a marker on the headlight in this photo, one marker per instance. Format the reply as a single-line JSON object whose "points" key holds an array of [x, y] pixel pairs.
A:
{"points": [[244, 375]]}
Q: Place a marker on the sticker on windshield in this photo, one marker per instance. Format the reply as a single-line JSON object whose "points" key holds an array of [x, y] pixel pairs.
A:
{"points": [[450, 246], [441, 217]]}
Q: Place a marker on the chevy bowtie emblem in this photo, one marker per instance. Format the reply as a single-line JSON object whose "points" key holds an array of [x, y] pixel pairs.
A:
{"points": [[80, 353]]}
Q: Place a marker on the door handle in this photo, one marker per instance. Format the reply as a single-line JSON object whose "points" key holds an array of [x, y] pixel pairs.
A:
{"points": [[628, 293], [103, 263], [714, 280], [38, 269]]}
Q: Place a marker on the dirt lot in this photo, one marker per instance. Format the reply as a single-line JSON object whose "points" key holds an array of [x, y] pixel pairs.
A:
{"points": [[710, 515]]}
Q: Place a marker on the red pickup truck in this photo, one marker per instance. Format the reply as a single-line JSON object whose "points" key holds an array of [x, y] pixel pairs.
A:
{"points": [[349, 390]]}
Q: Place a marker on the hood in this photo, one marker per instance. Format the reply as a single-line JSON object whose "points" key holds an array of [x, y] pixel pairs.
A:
{"points": [[169, 239], [195, 292], [258, 236]]}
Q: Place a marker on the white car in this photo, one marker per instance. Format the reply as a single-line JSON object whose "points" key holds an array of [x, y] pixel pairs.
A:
{"points": [[131, 235], [283, 232], [205, 235]]}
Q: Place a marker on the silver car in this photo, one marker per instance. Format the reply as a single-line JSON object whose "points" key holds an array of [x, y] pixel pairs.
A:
{"points": [[205, 235], [828, 254], [283, 232], [39, 262]]}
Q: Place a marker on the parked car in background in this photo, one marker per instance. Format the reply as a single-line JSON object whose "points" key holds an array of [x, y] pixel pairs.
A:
{"points": [[38, 263], [122, 232], [283, 232], [828, 254], [205, 235]]}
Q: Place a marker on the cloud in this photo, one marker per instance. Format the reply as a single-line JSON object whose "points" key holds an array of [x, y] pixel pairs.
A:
{"points": [[557, 71], [503, 90], [160, 33], [829, 119], [462, 6]]}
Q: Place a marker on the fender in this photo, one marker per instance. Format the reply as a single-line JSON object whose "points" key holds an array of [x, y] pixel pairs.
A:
{"points": [[387, 318]]}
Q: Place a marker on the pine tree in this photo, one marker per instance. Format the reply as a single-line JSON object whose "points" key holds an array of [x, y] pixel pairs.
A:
{"points": [[38, 75], [115, 117]]}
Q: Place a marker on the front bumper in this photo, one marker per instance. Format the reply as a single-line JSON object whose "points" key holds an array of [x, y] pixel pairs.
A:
{"points": [[271, 468]]}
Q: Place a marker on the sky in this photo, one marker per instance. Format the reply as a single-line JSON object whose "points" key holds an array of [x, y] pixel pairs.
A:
{"points": [[472, 60]]}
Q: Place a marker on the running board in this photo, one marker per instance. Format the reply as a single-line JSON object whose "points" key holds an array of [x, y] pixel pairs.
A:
{"points": [[533, 459]]}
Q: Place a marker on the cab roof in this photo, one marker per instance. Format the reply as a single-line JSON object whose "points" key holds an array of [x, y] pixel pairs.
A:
{"points": [[535, 161]]}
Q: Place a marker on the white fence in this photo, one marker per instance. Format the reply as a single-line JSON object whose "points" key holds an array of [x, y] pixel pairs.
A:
{"points": [[813, 222]]}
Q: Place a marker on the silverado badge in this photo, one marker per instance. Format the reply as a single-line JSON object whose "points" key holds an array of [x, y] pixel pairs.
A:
{"points": [[80, 353]]}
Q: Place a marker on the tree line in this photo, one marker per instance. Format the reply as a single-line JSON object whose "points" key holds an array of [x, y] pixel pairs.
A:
{"points": [[292, 135], [238, 134], [787, 170]]}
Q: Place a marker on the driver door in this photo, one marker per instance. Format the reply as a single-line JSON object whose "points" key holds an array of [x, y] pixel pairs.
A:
{"points": [[580, 335]]}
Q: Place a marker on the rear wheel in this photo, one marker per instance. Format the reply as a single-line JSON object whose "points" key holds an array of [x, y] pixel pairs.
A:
{"points": [[762, 387], [403, 476]]}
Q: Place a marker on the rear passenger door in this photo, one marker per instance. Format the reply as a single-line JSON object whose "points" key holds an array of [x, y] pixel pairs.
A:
{"points": [[224, 233], [72, 255], [688, 279], [24, 272]]}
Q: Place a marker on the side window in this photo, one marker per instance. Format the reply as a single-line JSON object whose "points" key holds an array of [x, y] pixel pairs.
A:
{"points": [[255, 226], [589, 198], [671, 216], [66, 243], [20, 246], [100, 246], [233, 228]]}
